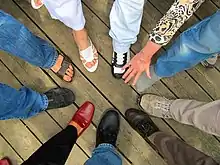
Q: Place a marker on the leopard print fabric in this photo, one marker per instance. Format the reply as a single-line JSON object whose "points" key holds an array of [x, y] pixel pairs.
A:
{"points": [[179, 13]]}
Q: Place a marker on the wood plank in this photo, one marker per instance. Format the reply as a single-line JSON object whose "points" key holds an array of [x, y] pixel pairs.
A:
{"points": [[42, 126], [163, 7], [199, 139], [183, 82], [185, 130], [7, 151], [73, 50], [207, 9], [76, 157], [87, 140], [14, 130], [62, 116]]}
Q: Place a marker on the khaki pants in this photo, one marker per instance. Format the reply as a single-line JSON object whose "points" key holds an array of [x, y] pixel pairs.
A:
{"points": [[205, 116], [176, 152]]}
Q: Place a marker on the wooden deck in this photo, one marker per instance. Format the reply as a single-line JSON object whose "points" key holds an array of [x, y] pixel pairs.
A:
{"points": [[20, 138]]}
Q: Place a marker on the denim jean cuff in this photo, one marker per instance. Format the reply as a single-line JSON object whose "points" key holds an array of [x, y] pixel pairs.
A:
{"points": [[45, 102], [104, 146], [53, 62]]}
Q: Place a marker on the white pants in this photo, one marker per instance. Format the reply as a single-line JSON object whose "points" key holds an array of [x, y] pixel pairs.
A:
{"points": [[67, 11], [125, 19]]}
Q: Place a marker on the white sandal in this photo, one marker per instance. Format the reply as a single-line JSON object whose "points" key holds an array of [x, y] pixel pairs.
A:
{"points": [[36, 5], [89, 57]]}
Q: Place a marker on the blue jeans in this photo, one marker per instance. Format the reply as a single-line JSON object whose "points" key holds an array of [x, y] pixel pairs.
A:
{"points": [[104, 154], [193, 46], [17, 40]]}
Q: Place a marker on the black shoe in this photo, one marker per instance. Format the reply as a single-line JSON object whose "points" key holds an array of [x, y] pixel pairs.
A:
{"points": [[118, 62], [141, 122], [59, 97], [108, 128]]}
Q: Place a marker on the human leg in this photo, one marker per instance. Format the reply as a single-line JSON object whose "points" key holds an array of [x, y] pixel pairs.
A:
{"points": [[17, 40], [22, 103], [199, 114], [175, 151], [25, 102], [193, 46], [56, 150], [71, 14], [125, 21], [105, 152]]}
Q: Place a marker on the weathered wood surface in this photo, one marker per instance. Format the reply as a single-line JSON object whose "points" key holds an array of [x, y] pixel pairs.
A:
{"points": [[196, 83]]}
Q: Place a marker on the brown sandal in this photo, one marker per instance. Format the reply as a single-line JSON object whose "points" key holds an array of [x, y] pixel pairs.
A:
{"points": [[64, 66]]}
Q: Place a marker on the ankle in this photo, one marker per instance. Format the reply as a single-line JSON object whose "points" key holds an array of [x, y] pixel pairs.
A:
{"points": [[76, 125], [81, 38], [80, 35]]}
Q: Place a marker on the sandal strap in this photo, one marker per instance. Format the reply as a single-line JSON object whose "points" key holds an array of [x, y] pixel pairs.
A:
{"points": [[64, 66]]}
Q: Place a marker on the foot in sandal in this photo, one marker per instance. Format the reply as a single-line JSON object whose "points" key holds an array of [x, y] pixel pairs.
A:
{"points": [[88, 52], [36, 4], [63, 68], [83, 117]]}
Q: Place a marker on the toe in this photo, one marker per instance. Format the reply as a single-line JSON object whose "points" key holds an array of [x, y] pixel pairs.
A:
{"points": [[67, 78], [71, 66], [69, 72]]}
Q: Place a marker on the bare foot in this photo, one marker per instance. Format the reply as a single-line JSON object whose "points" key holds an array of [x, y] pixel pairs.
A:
{"points": [[69, 72], [81, 38]]}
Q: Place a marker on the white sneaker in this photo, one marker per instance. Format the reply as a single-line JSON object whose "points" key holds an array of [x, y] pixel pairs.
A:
{"points": [[119, 60]]}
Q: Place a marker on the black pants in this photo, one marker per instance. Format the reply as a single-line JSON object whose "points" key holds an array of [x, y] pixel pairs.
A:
{"points": [[56, 150]]}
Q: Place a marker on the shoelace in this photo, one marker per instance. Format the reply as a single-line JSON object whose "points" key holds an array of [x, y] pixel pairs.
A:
{"points": [[165, 107], [120, 59], [145, 128]]}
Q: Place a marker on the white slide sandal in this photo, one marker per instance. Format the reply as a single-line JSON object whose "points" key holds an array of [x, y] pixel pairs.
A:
{"points": [[89, 57]]}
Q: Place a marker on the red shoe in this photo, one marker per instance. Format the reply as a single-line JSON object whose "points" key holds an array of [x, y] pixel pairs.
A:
{"points": [[5, 161], [83, 116]]}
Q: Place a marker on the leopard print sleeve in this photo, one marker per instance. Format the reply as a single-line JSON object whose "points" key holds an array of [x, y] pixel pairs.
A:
{"points": [[179, 13]]}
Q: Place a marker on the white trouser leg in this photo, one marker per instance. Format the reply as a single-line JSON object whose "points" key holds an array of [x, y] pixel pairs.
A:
{"points": [[67, 11], [125, 20]]}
